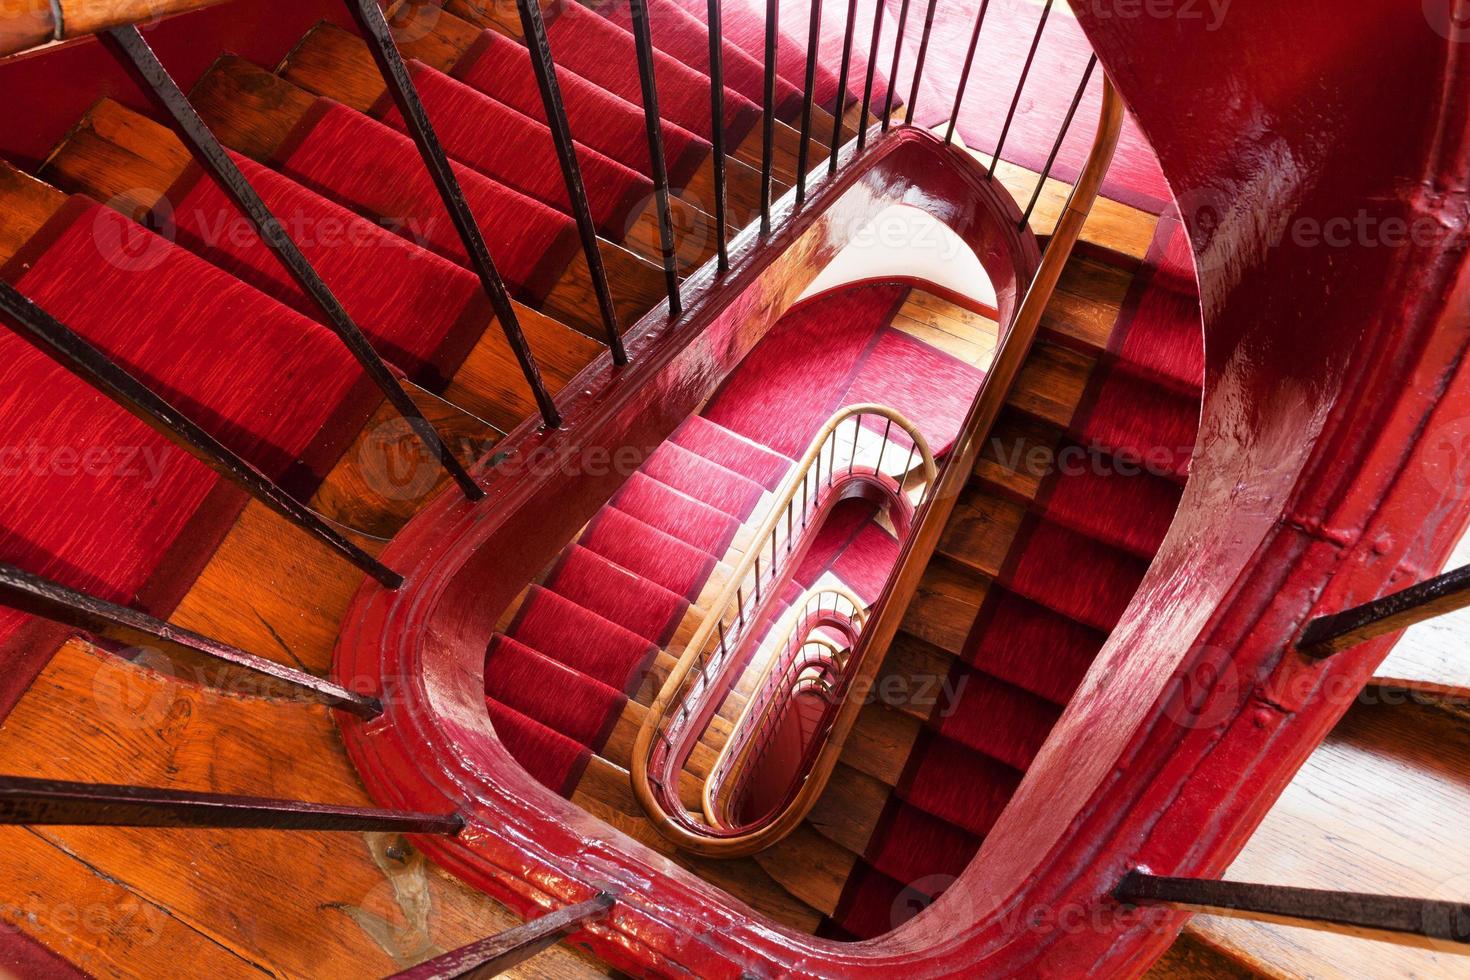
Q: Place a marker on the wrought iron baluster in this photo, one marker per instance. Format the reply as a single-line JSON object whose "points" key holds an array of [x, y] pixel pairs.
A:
{"points": [[52, 803], [959, 92], [1441, 920], [768, 114], [717, 126], [94, 367], [643, 41], [390, 64], [1056, 147], [497, 954], [1433, 597], [903, 16], [878, 7], [544, 68], [857, 426], [908, 115], [38, 596], [129, 44], [813, 41], [840, 109], [1020, 85]]}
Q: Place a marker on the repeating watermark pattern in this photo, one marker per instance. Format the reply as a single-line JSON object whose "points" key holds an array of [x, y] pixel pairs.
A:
{"points": [[1103, 915], [141, 922], [1445, 461], [1210, 691], [928, 693], [41, 459], [1211, 13], [1038, 460]]}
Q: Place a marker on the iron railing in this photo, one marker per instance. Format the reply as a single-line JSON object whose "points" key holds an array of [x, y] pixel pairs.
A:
{"points": [[803, 660], [861, 446]]}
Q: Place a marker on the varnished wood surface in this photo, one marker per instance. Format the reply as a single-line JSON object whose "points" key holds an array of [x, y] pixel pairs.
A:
{"points": [[29, 204], [1380, 806], [150, 903], [1434, 657]]}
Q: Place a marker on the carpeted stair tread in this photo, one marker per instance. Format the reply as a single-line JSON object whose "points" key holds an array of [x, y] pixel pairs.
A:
{"points": [[1142, 422], [617, 595], [927, 386], [734, 452], [867, 560], [1161, 333], [376, 170], [603, 53], [703, 479], [682, 36], [791, 383], [423, 318], [957, 784], [1116, 503], [645, 550], [843, 523], [1031, 646], [551, 758], [112, 530], [991, 716], [581, 639], [692, 521], [516, 150], [872, 903], [745, 27], [613, 126], [1075, 575], [518, 677], [265, 380], [918, 848]]}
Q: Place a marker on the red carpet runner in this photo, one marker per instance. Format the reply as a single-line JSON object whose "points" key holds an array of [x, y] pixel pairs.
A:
{"points": [[1079, 556], [615, 597]]}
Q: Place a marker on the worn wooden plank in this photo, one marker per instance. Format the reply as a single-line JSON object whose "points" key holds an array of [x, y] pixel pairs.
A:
{"points": [[28, 203], [1377, 807]]}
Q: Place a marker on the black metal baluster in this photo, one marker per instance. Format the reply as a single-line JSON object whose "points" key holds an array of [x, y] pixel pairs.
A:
{"points": [[768, 114], [1057, 146], [94, 367], [1021, 84], [207, 149], [534, 28], [1449, 921], [908, 116], [1433, 597], [374, 27], [878, 8], [903, 16], [38, 596], [959, 92], [842, 76], [493, 956], [54, 803], [813, 41], [643, 41], [717, 127]]}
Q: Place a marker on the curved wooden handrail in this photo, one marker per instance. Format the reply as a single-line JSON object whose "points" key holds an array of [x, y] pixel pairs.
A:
{"points": [[679, 827], [719, 775], [40, 22], [918, 546]]}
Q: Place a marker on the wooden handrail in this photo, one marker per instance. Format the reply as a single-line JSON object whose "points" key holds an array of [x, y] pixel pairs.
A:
{"points": [[716, 780], [39, 22], [919, 545], [687, 833]]}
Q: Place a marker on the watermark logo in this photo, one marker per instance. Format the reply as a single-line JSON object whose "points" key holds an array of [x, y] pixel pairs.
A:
{"points": [[1445, 461], [1210, 13], [396, 463], [1450, 19], [1209, 690], [128, 246]]}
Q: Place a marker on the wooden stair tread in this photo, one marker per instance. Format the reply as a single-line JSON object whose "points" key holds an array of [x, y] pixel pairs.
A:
{"points": [[1430, 657], [1378, 807], [319, 904]]}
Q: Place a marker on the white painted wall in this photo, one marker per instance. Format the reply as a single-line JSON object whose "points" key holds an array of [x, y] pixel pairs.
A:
{"points": [[905, 241]]}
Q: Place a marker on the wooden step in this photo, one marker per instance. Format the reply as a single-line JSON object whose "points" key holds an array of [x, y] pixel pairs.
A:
{"points": [[606, 792], [29, 203], [226, 902], [1429, 659], [335, 63], [1378, 807], [120, 157], [254, 112]]}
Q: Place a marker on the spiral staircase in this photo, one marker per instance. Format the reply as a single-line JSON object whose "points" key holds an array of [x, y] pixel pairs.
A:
{"points": [[466, 515]]}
